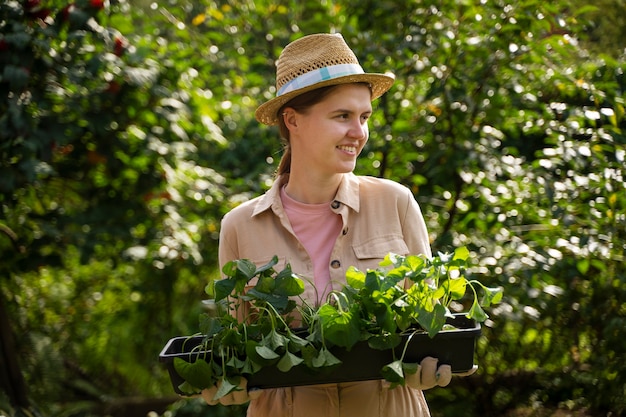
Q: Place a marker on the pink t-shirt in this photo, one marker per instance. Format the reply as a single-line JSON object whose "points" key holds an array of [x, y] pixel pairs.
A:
{"points": [[316, 226]]}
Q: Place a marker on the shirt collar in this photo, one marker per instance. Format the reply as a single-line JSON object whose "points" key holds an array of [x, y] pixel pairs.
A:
{"points": [[348, 194]]}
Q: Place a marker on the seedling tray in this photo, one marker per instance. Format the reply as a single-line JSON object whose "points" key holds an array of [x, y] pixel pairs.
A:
{"points": [[453, 347]]}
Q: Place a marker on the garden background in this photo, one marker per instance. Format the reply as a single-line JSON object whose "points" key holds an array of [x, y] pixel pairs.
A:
{"points": [[127, 131]]}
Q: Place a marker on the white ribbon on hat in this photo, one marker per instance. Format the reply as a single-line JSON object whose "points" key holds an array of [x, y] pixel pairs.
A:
{"points": [[319, 75]]}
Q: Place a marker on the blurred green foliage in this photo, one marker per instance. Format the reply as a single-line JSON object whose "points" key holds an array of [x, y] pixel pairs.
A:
{"points": [[127, 131]]}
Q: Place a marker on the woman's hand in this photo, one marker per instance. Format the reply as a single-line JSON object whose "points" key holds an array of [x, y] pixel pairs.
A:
{"points": [[241, 395], [430, 375]]}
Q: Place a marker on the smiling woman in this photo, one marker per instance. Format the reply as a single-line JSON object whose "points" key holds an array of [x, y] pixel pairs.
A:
{"points": [[320, 218]]}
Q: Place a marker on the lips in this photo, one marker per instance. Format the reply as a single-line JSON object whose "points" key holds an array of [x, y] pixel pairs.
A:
{"points": [[346, 148]]}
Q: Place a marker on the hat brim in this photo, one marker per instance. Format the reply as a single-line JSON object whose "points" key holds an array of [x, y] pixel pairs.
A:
{"points": [[267, 113]]}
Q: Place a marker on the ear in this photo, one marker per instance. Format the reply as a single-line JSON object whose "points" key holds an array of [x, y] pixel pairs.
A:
{"points": [[290, 118]]}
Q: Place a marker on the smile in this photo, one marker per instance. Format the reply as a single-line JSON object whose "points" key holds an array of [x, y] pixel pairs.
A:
{"points": [[350, 149]]}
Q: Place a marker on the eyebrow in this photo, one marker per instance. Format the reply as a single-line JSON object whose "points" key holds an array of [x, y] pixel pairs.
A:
{"points": [[338, 111]]}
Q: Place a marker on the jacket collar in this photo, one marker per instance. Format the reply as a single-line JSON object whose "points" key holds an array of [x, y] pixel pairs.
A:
{"points": [[348, 194]]}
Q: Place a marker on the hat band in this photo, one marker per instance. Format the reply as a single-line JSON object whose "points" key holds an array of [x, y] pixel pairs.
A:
{"points": [[319, 75]]}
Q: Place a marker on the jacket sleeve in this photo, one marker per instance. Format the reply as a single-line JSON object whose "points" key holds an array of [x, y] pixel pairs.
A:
{"points": [[414, 227], [228, 247]]}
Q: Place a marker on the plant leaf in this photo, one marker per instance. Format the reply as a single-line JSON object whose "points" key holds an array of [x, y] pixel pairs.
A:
{"points": [[224, 387], [288, 284], [279, 302], [198, 374], [461, 253], [355, 278], [433, 321], [477, 313], [266, 353], [325, 358], [209, 326], [455, 287], [266, 285], [384, 342], [235, 362], [339, 328], [296, 343], [393, 372], [223, 288], [267, 267], [491, 296], [288, 361], [275, 340]]}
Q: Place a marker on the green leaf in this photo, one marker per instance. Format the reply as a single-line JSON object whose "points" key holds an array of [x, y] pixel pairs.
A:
{"points": [[255, 352], [235, 362], [325, 358], [266, 353], [267, 267], [384, 341], [223, 288], [230, 337], [296, 343], [275, 340], [250, 367], [339, 328], [209, 326], [266, 285], [415, 262], [491, 296], [225, 387], [279, 302], [198, 374], [477, 313], [393, 372], [355, 278], [461, 253], [288, 361], [433, 321], [288, 284], [455, 287], [246, 268]]}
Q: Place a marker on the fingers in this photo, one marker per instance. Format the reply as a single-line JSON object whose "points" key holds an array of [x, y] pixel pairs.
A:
{"points": [[444, 375], [208, 394], [429, 375], [241, 395], [413, 380], [428, 367], [238, 396]]}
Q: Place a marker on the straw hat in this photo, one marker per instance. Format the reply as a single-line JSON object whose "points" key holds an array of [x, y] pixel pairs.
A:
{"points": [[316, 61]]}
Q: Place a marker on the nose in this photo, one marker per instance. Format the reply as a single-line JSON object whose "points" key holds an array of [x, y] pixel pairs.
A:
{"points": [[358, 130]]}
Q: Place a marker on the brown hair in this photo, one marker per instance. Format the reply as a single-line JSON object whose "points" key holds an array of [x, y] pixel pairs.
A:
{"points": [[301, 104]]}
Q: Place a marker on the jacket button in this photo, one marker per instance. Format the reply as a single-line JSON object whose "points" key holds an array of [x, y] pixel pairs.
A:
{"points": [[335, 264], [335, 204]]}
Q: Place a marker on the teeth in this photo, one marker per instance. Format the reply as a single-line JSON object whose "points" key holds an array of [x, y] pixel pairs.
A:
{"points": [[347, 148]]}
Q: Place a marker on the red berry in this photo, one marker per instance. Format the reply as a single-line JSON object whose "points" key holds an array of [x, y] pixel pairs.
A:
{"points": [[96, 4], [120, 45]]}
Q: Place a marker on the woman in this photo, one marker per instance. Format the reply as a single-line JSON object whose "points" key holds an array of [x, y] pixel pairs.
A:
{"points": [[321, 218]]}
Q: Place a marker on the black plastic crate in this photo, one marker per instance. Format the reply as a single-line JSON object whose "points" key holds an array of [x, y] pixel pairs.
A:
{"points": [[453, 347]]}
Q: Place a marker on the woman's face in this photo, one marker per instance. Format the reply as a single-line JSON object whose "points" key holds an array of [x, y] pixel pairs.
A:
{"points": [[327, 138]]}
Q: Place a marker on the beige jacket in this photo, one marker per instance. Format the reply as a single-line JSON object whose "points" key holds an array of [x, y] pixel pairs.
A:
{"points": [[379, 216]]}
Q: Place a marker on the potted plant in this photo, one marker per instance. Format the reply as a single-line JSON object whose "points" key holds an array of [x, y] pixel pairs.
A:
{"points": [[379, 325]]}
